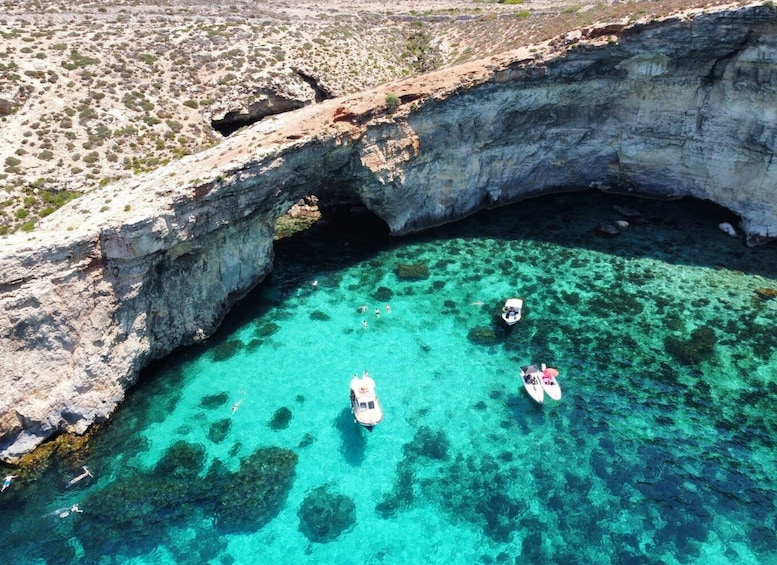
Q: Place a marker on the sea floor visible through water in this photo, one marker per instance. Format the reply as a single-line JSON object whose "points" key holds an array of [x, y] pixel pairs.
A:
{"points": [[243, 450]]}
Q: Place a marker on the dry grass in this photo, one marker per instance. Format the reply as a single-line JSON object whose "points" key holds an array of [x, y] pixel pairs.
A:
{"points": [[91, 92]]}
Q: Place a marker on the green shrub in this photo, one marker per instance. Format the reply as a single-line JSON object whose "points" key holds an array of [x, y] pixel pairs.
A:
{"points": [[78, 61], [174, 125], [57, 198], [392, 102]]}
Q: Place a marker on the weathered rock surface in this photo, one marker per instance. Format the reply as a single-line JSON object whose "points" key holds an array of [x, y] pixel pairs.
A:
{"points": [[245, 108], [673, 108]]}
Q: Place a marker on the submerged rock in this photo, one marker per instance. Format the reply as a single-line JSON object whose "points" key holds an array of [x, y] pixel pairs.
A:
{"points": [[766, 293], [697, 348], [323, 516], [280, 420], [212, 401], [413, 272], [482, 335]]}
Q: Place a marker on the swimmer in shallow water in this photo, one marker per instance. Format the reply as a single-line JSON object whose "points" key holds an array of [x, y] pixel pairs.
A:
{"points": [[7, 482]]}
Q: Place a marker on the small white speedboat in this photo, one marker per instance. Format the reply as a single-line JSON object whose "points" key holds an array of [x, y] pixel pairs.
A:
{"points": [[511, 311], [364, 402], [549, 383], [531, 376]]}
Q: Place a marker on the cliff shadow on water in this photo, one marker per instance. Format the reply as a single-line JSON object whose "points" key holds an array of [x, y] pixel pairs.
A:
{"points": [[682, 232]]}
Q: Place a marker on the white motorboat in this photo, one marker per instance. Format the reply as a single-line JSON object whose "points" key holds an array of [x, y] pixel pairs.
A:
{"points": [[364, 402], [511, 311], [549, 383], [531, 376]]}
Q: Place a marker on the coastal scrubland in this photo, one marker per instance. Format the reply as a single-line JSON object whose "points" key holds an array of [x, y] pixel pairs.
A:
{"points": [[95, 91]]}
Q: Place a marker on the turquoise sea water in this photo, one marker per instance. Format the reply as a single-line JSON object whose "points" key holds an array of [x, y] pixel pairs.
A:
{"points": [[661, 449]]}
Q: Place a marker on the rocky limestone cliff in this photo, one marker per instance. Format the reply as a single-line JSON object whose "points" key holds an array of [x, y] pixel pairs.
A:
{"points": [[679, 107]]}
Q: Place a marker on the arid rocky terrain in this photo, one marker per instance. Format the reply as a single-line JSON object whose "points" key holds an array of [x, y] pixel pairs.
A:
{"points": [[96, 91]]}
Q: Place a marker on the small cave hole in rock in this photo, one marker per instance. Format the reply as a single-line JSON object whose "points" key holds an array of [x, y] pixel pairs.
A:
{"points": [[270, 103]]}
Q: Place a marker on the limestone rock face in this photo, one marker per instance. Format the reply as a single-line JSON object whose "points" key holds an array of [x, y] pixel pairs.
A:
{"points": [[242, 108], [682, 107]]}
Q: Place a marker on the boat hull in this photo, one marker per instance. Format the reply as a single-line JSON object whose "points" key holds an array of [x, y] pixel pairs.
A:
{"points": [[510, 321], [365, 406], [551, 388], [535, 392], [367, 421], [531, 377], [512, 310]]}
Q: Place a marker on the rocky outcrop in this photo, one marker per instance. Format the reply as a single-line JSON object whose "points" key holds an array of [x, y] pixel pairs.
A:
{"points": [[668, 109], [296, 91]]}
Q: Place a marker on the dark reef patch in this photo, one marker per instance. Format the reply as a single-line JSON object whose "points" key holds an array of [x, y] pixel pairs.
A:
{"points": [[212, 401], [324, 516], [699, 347], [218, 431], [483, 335], [134, 515], [280, 419], [383, 294], [412, 271], [227, 349], [266, 330], [320, 316]]}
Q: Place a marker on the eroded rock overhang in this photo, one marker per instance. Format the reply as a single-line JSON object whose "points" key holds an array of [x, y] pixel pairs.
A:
{"points": [[682, 107]]}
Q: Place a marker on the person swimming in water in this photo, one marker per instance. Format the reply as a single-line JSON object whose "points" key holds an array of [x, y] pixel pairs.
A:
{"points": [[7, 482]]}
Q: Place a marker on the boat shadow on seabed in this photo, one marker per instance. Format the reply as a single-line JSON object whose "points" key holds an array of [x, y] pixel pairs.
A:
{"points": [[353, 438]]}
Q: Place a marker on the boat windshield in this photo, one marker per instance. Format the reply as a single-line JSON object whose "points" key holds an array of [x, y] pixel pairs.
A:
{"points": [[362, 405], [371, 405]]}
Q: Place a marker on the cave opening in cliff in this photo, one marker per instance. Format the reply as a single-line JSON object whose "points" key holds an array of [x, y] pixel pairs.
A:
{"points": [[331, 224]]}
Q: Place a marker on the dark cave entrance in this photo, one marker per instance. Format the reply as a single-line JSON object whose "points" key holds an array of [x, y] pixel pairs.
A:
{"points": [[269, 103]]}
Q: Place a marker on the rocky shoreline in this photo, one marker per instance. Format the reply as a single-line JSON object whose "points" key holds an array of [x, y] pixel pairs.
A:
{"points": [[680, 107]]}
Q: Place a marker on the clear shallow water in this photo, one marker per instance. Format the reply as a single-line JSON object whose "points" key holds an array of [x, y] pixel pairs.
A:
{"points": [[660, 451]]}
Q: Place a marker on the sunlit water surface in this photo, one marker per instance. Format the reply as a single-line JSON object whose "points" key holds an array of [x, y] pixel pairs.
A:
{"points": [[661, 449]]}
